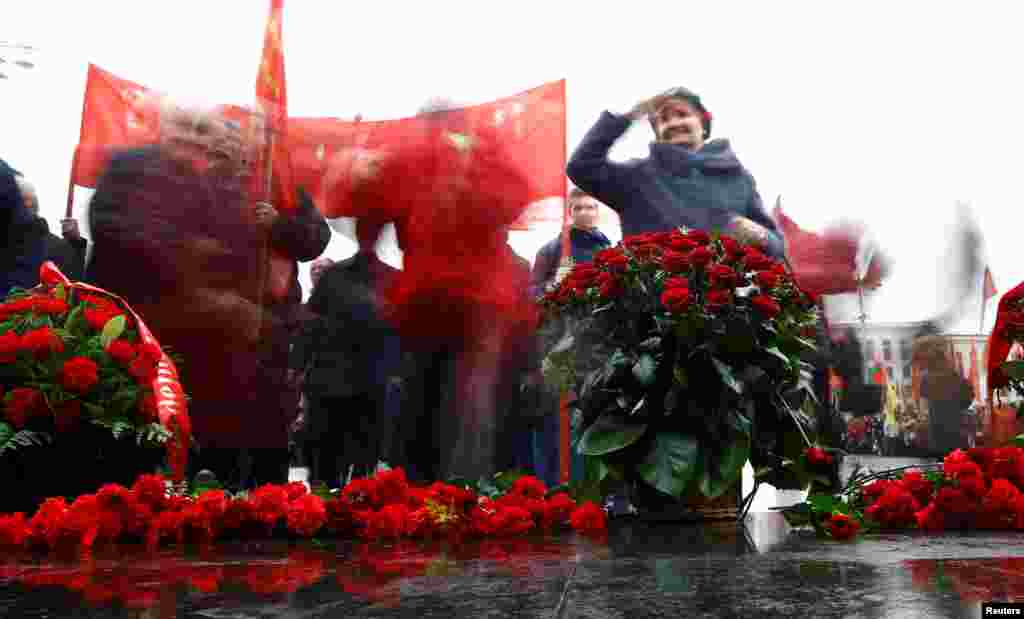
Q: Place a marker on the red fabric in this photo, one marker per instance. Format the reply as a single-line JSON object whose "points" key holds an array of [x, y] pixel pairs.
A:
{"points": [[827, 263], [960, 363], [116, 113], [530, 127], [998, 344]]}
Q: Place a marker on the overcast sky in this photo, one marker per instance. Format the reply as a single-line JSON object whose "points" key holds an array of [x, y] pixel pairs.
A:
{"points": [[881, 111]]}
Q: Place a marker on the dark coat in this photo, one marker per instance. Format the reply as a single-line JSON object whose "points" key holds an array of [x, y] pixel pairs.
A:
{"points": [[176, 245], [670, 188], [584, 244], [349, 348], [67, 254], [23, 246]]}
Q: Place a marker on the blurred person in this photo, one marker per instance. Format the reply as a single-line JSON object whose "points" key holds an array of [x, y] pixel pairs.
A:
{"points": [[66, 251], [947, 392], [24, 246], [453, 192], [177, 235], [352, 357], [686, 181]]}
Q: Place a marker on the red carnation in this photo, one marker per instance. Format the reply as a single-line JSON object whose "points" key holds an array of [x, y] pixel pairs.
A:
{"points": [[675, 262], [765, 305], [392, 486], [816, 456], [917, 485], [10, 346], [14, 530], [42, 342], [67, 415], [21, 404], [142, 370], [895, 508], [766, 280], [388, 523], [529, 486], [701, 257], [589, 519], [306, 515], [122, 351], [559, 509], [79, 374], [676, 299], [295, 490], [842, 527], [150, 490], [718, 299]]}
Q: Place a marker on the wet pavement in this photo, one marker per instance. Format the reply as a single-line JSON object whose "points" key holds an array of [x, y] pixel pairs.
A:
{"points": [[764, 569]]}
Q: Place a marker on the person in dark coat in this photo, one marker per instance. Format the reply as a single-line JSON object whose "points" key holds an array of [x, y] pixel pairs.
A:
{"points": [[23, 247], [66, 251], [352, 357], [176, 235], [686, 181]]}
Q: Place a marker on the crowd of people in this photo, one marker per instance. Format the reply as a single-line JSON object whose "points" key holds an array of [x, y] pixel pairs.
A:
{"points": [[435, 366]]}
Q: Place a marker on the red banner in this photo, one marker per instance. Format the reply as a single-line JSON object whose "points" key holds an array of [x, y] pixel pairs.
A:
{"points": [[116, 113], [532, 124], [274, 171]]}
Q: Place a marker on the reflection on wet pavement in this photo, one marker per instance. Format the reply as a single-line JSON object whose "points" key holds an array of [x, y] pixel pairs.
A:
{"points": [[764, 569]]}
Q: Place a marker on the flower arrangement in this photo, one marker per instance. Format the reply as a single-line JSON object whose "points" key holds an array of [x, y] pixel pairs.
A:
{"points": [[981, 488], [686, 354], [382, 507], [70, 355]]}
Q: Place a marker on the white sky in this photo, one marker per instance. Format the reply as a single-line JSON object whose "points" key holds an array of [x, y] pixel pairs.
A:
{"points": [[882, 111]]}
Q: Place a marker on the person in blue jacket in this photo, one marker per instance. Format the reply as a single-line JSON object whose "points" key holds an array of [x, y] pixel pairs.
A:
{"points": [[22, 246], [686, 180]]}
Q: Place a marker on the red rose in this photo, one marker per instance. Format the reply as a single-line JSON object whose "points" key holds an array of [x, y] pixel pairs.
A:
{"points": [[98, 317], [610, 286], [766, 280], [584, 274], [675, 262], [701, 256], [42, 342], [589, 519], [757, 261], [647, 251], [676, 282], [151, 352], [930, 519], [699, 236], [142, 369], [841, 527], [21, 404], [816, 456], [559, 509], [917, 485], [896, 508], [613, 258], [676, 299], [122, 351], [722, 276], [718, 299], [79, 374], [529, 486], [10, 346], [765, 305], [49, 305], [678, 242], [731, 247]]}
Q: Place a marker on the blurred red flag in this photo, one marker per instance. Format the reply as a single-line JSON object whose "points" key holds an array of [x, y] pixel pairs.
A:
{"points": [[274, 172], [972, 376], [827, 263], [530, 126], [989, 285], [116, 113]]}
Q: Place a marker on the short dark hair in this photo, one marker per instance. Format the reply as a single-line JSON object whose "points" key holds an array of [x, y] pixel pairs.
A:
{"points": [[685, 94], [575, 194]]}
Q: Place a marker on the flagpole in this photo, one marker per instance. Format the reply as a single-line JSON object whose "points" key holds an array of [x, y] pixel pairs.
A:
{"points": [[981, 323]]}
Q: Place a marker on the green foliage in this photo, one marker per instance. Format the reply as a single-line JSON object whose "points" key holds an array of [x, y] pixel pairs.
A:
{"points": [[152, 433], [610, 433], [672, 464], [112, 330], [11, 440]]}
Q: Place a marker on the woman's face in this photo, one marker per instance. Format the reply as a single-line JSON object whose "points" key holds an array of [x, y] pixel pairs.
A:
{"points": [[676, 121]]}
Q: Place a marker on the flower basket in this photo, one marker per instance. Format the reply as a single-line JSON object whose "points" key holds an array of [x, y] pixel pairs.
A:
{"points": [[686, 352], [88, 395]]}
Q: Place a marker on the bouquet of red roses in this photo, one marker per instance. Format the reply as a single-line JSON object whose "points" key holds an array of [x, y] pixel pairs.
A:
{"points": [[71, 354], [686, 352]]}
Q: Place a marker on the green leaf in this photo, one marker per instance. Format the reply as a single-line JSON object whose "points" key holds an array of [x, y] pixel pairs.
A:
{"points": [[12, 441], [609, 434], [775, 352], [681, 377], [727, 376], [740, 422], [722, 467], [75, 323], [645, 369], [1014, 369], [60, 292], [671, 463], [112, 330], [1018, 441]]}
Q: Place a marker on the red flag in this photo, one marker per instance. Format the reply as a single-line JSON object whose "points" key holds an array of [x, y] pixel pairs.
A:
{"points": [[275, 170], [827, 263], [990, 285], [531, 126], [998, 344], [116, 113]]}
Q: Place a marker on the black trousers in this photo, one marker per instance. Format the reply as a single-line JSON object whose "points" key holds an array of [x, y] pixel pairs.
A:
{"points": [[238, 469], [347, 433]]}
